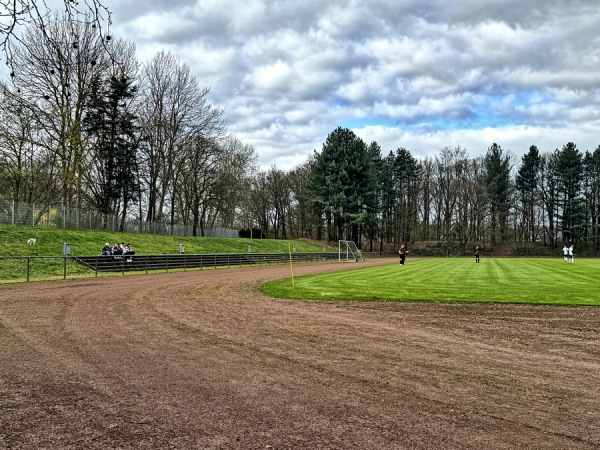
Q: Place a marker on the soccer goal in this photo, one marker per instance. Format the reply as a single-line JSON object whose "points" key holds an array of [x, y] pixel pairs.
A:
{"points": [[348, 251]]}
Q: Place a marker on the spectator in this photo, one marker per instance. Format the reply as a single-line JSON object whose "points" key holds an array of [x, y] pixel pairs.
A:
{"points": [[128, 251], [117, 250], [106, 250]]}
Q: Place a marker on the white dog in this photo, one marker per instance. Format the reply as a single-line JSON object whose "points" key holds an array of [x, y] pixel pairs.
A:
{"points": [[31, 241]]}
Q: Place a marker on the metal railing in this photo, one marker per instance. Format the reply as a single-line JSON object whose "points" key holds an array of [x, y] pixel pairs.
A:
{"points": [[28, 268]]}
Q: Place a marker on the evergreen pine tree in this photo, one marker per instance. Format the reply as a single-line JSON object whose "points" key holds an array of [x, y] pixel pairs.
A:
{"points": [[570, 175], [342, 185], [498, 186], [527, 184], [112, 130]]}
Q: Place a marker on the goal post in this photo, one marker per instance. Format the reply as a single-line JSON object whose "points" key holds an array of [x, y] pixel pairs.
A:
{"points": [[349, 252]]}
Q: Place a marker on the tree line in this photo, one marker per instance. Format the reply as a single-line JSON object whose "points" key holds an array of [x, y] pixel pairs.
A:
{"points": [[354, 192], [84, 125]]}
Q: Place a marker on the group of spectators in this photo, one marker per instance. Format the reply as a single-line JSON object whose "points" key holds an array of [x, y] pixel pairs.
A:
{"points": [[118, 251]]}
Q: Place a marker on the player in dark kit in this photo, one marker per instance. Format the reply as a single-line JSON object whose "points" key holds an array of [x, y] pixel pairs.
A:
{"points": [[477, 254], [402, 252]]}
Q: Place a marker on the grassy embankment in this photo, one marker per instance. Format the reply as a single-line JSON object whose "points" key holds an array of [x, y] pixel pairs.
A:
{"points": [[13, 243], [541, 281]]}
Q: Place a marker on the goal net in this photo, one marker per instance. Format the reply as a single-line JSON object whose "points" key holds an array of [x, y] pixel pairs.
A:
{"points": [[349, 252]]}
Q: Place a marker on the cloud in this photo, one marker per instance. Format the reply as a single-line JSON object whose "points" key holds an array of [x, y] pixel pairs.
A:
{"points": [[420, 74]]}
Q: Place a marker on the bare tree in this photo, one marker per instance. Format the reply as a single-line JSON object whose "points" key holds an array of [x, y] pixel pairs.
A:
{"points": [[427, 169], [478, 202], [236, 162], [18, 14], [259, 202], [301, 221], [279, 192], [56, 66], [199, 179], [26, 169], [445, 192], [174, 112], [466, 175]]}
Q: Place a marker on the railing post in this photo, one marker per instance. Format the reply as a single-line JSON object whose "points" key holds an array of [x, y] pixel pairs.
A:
{"points": [[28, 267]]}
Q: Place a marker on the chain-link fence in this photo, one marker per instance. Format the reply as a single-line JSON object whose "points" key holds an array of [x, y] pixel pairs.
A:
{"points": [[14, 213]]}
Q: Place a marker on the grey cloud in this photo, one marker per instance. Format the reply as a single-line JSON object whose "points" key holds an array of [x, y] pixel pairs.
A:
{"points": [[294, 71]]}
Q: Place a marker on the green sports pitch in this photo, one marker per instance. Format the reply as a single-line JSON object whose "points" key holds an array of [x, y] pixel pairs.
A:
{"points": [[542, 281]]}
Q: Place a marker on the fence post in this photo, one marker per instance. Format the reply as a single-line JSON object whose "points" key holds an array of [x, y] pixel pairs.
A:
{"points": [[28, 267]]}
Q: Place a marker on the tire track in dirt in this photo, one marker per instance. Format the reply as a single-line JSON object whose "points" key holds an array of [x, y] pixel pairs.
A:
{"points": [[204, 360]]}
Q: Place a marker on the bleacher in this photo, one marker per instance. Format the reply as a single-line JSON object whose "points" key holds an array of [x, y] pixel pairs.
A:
{"points": [[146, 263]]}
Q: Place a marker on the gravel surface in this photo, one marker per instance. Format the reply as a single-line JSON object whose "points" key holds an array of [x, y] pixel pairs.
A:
{"points": [[204, 360]]}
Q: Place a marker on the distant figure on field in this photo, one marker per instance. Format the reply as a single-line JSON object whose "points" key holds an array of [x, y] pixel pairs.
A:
{"points": [[566, 253], [477, 254], [402, 252], [571, 255]]}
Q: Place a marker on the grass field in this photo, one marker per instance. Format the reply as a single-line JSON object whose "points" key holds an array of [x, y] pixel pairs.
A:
{"points": [[13, 243], [497, 280]]}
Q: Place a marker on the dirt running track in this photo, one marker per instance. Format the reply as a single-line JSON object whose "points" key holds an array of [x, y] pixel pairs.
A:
{"points": [[203, 360]]}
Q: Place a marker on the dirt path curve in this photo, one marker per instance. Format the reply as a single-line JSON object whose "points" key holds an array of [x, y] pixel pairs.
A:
{"points": [[203, 360]]}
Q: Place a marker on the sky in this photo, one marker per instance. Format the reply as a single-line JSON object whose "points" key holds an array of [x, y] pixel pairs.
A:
{"points": [[413, 74]]}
